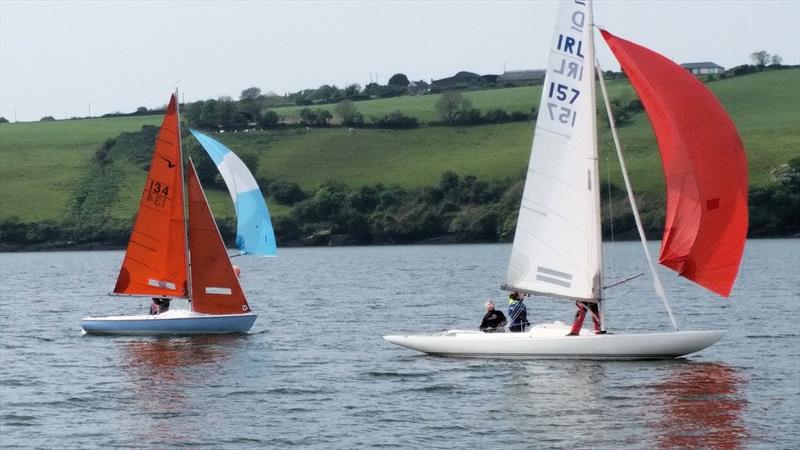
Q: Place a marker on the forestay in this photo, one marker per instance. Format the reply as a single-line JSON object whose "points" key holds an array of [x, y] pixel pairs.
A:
{"points": [[556, 247], [254, 233]]}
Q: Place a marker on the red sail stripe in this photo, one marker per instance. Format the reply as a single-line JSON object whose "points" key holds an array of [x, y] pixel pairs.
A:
{"points": [[215, 289], [155, 261], [704, 164]]}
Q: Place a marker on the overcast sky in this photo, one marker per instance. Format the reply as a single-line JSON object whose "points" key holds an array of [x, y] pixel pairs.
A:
{"points": [[57, 58]]}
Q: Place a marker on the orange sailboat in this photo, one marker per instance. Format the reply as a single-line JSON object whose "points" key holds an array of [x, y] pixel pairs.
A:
{"points": [[173, 254]]}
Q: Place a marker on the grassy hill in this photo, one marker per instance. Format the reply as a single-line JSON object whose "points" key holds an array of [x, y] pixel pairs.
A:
{"points": [[42, 164]]}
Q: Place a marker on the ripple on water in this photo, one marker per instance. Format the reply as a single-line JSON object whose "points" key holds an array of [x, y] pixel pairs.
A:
{"points": [[334, 383]]}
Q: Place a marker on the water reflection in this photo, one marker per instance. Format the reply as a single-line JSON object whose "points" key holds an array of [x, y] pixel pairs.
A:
{"points": [[701, 406], [165, 374]]}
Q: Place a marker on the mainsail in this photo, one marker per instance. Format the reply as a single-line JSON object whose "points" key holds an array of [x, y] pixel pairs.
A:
{"points": [[155, 261], [557, 243], [215, 289], [254, 234], [704, 164]]}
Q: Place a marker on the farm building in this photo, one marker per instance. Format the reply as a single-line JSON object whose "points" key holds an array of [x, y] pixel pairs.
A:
{"points": [[521, 77], [703, 68]]}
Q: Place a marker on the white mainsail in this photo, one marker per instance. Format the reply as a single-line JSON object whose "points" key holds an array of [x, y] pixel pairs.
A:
{"points": [[557, 245]]}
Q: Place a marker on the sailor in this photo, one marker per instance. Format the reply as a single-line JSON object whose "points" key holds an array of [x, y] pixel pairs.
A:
{"points": [[517, 312], [580, 314], [159, 305], [494, 321]]}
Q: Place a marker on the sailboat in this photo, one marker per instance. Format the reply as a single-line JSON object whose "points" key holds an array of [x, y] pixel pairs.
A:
{"points": [[557, 249], [176, 252]]}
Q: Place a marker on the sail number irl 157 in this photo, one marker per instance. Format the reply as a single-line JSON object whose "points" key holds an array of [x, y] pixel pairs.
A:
{"points": [[566, 94], [157, 193]]}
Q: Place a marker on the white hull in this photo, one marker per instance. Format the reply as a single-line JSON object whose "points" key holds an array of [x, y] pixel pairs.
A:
{"points": [[173, 322], [550, 342]]}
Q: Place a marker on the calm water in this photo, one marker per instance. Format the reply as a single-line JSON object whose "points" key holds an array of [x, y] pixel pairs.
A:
{"points": [[315, 373]]}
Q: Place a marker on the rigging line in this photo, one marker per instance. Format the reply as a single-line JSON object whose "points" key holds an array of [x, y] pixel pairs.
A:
{"points": [[610, 214], [656, 280]]}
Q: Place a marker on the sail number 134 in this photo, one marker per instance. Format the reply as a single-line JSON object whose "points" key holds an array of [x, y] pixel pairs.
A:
{"points": [[157, 192]]}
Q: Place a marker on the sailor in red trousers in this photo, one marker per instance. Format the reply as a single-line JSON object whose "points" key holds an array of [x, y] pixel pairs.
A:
{"points": [[580, 314]]}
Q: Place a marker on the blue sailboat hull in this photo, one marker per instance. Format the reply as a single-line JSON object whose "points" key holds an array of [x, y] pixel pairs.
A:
{"points": [[169, 324]]}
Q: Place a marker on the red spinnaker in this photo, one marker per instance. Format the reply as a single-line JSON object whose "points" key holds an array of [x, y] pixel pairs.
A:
{"points": [[215, 289], [155, 262], [704, 163]]}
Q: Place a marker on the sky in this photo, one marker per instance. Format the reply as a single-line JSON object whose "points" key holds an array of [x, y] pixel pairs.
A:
{"points": [[73, 58]]}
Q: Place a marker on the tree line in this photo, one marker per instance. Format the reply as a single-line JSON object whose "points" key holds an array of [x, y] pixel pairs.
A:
{"points": [[458, 209]]}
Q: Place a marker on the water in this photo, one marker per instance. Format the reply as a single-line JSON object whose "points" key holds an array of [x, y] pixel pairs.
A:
{"points": [[315, 373]]}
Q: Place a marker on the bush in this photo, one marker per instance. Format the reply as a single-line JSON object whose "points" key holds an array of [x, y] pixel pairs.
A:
{"points": [[317, 117], [396, 120], [470, 116], [286, 193], [519, 116], [475, 223], [497, 115], [349, 114], [268, 118]]}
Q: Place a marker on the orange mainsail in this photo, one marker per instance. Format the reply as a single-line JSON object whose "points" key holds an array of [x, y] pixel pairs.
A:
{"points": [[215, 289], [155, 262], [704, 163]]}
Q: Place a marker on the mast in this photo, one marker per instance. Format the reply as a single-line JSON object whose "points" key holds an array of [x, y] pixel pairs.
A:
{"points": [[595, 173], [185, 208]]}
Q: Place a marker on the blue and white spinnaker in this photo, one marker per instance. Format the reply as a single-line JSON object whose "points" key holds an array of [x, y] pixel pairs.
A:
{"points": [[254, 234]]}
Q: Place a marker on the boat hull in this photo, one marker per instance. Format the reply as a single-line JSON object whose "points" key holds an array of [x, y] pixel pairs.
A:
{"points": [[169, 323], [552, 343]]}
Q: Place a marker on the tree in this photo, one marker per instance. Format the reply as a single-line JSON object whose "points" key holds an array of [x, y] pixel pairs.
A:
{"points": [[268, 118], [777, 60], [349, 114], [324, 93], [352, 90], [760, 58], [3, 120], [47, 119], [788, 174], [227, 112], [208, 116], [250, 93], [141, 110], [250, 103], [318, 117], [286, 193], [399, 80], [450, 104]]}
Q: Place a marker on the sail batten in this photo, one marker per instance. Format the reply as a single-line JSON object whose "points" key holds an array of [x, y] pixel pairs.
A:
{"points": [[556, 248], [705, 173]]}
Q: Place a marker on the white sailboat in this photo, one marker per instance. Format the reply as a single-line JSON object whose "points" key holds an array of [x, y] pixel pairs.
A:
{"points": [[557, 250]]}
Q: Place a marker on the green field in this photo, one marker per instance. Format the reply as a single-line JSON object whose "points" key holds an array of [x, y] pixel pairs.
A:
{"points": [[422, 107], [41, 163]]}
